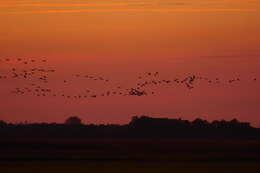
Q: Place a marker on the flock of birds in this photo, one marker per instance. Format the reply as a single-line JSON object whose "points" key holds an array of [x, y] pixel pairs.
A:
{"points": [[37, 78]]}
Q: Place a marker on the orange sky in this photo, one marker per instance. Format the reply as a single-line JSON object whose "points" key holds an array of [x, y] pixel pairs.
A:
{"points": [[122, 39]]}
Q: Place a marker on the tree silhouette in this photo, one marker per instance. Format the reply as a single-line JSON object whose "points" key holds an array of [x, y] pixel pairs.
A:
{"points": [[140, 126], [73, 121], [2, 123], [200, 123]]}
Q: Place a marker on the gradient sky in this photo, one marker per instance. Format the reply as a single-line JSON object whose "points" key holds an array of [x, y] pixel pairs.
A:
{"points": [[122, 39]]}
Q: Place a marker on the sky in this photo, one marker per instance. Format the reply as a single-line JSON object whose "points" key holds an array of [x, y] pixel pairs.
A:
{"points": [[123, 39]]}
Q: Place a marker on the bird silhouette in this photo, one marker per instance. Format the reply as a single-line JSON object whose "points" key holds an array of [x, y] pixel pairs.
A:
{"points": [[37, 73]]}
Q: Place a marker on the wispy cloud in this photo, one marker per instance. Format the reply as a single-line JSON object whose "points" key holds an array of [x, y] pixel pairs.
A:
{"points": [[119, 4], [148, 6], [234, 56], [134, 10]]}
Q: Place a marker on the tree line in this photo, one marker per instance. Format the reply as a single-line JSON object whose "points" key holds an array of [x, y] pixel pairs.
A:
{"points": [[139, 126]]}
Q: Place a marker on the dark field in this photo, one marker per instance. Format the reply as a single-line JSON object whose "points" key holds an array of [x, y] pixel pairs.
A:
{"points": [[129, 155], [129, 167]]}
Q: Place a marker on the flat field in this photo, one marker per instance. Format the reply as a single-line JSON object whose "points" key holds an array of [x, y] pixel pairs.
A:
{"points": [[128, 155]]}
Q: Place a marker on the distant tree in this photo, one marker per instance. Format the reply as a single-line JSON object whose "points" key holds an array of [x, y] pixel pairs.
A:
{"points": [[236, 123], [2, 123], [141, 121], [200, 122], [73, 121], [134, 119]]}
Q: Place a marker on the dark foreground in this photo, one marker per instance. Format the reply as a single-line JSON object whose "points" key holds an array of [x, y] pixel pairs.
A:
{"points": [[128, 155], [130, 167]]}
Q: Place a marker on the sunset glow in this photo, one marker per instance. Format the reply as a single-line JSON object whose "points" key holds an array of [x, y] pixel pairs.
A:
{"points": [[121, 40]]}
